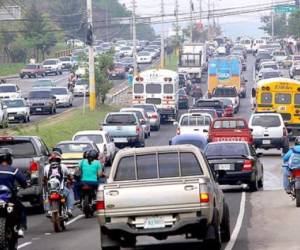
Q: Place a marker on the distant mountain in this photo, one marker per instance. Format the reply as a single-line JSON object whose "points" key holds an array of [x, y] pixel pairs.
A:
{"points": [[242, 28]]}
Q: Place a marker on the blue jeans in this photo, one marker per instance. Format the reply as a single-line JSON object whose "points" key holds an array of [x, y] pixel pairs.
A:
{"points": [[68, 193], [286, 175]]}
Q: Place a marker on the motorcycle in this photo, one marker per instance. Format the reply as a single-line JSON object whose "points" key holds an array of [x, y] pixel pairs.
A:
{"points": [[88, 200], [57, 204], [294, 181], [9, 218]]}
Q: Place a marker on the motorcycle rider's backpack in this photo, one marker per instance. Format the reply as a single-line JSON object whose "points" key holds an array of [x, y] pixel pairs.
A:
{"points": [[55, 171], [294, 161]]}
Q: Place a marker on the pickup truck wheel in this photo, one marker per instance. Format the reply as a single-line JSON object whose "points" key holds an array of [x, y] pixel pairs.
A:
{"points": [[225, 225], [107, 243], [214, 244]]}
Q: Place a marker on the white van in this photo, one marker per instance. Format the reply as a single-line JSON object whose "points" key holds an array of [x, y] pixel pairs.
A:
{"points": [[247, 43], [158, 87]]}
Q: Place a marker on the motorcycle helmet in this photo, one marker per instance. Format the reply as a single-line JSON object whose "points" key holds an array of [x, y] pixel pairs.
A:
{"points": [[92, 155], [55, 157], [297, 141], [6, 156]]}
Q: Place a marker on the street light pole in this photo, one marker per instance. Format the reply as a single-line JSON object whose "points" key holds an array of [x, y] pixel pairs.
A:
{"points": [[162, 36], [191, 17], [272, 19], [92, 84], [134, 36]]}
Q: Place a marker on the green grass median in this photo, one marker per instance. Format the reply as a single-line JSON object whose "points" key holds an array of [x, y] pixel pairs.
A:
{"points": [[171, 61], [65, 125], [10, 69]]}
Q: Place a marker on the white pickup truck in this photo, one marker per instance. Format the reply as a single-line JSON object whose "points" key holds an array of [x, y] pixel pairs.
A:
{"points": [[160, 192]]}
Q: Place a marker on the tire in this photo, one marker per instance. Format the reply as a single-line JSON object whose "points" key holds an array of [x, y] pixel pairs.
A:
{"points": [[56, 73], [60, 72], [3, 241], [85, 206], [254, 184], [297, 194], [56, 222], [214, 244], [22, 76], [225, 224]]}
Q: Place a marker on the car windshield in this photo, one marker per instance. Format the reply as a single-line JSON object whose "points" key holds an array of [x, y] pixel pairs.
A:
{"points": [[39, 94], [143, 54], [212, 112], [98, 139], [7, 89], [226, 149], [210, 104], [14, 103], [30, 66], [121, 119], [74, 147], [59, 91], [50, 62], [20, 148], [266, 121]]}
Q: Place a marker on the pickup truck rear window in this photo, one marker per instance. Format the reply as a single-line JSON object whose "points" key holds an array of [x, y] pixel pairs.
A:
{"points": [[20, 148], [121, 119], [195, 121], [230, 124], [158, 166]]}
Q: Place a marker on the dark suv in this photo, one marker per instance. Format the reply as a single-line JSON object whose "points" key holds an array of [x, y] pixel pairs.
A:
{"points": [[42, 101], [30, 155]]}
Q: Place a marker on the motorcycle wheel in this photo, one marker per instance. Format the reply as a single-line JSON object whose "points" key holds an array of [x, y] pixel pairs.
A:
{"points": [[86, 207], [56, 222], [8, 239], [297, 194]]}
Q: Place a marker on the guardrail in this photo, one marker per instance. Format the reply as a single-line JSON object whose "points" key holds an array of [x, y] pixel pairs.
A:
{"points": [[120, 97]]}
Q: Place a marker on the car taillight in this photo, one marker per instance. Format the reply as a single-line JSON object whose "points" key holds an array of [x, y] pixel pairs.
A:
{"points": [[204, 197], [178, 131], [154, 116], [34, 169], [100, 204], [247, 165], [285, 132], [137, 129], [55, 196]]}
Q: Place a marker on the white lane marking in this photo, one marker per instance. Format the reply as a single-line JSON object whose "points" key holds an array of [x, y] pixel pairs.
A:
{"points": [[24, 244], [75, 219], [238, 224]]}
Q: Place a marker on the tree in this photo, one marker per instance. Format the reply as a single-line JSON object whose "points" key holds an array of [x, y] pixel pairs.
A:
{"points": [[37, 32], [293, 24], [280, 26]]}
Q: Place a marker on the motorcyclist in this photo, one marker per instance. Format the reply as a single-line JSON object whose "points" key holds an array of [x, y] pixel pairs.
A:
{"points": [[90, 170], [8, 177], [286, 171], [55, 168], [72, 80]]}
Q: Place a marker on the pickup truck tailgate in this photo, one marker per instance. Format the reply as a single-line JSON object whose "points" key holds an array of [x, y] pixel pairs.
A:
{"points": [[120, 130], [231, 135], [160, 199]]}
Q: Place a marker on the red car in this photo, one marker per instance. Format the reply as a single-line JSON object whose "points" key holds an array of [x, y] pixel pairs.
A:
{"points": [[230, 129], [228, 108], [118, 72], [33, 70]]}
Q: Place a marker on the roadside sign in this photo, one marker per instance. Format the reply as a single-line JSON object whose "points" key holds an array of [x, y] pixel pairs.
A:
{"points": [[130, 79], [285, 8]]}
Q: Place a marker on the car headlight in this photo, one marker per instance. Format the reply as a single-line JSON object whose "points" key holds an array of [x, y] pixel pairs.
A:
{"points": [[21, 113]]}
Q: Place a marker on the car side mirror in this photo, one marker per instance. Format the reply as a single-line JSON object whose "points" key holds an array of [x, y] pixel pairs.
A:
{"points": [[4, 106], [260, 155], [175, 123]]}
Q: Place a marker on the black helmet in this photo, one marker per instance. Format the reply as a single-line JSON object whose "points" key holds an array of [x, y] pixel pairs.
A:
{"points": [[55, 157], [6, 155], [92, 155], [297, 141]]}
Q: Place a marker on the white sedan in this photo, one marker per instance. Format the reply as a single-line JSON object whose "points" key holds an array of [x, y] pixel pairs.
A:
{"points": [[9, 91], [144, 57], [64, 98], [81, 88], [17, 110], [193, 123]]}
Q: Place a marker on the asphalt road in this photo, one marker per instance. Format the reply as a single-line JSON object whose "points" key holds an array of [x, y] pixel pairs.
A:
{"points": [[264, 220]]}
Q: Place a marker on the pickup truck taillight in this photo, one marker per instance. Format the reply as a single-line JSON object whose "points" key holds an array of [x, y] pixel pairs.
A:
{"points": [[178, 131], [247, 165], [34, 169], [137, 130], [204, 197], [100, 204]]}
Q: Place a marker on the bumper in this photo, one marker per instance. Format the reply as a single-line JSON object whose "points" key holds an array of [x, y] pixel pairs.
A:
{"points": [[167, 113], [40, 109], [267, 143], [237, 178], [30, 194], [183, 104], [118, 230], [126, 140], [16, 117]]}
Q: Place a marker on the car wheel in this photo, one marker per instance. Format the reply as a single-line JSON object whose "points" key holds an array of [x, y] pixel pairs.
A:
{"points": [[149, 134], [254, 184], [56, 73], [225, 224], [215, 243], [60, 72], [21, 76]]}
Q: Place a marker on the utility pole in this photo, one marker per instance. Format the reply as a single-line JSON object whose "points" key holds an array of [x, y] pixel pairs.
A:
{"points": [[191, 17], [162, 36], [272, 19], [177, 20], [134, 36], [106, 21], [92, 88], [208, 21]]}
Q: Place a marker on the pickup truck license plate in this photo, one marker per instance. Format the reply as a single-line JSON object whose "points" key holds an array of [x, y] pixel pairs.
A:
{"points": [[154, 222], [223, 167], [120, 140], [266, 142], [11, 118], [38, 109]]}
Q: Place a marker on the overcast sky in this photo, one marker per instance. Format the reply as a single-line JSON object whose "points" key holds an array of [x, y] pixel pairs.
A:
{"points": [[152, 7]]}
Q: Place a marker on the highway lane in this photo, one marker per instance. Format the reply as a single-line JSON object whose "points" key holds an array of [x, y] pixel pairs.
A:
{"points": [[264, 220]]}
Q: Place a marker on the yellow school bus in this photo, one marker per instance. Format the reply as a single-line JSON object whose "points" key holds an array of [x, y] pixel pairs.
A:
{"points": [[281, 95]]}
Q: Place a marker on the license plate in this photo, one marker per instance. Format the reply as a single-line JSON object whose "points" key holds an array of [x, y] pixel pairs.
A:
{"points": [[154, 222], [120, 140], [223, 167], [11, 118], [114, 74], [38, 109], [266, 141]]}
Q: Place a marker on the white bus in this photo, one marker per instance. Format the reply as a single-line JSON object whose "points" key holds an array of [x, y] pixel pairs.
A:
{"points": [[158, 87]]}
